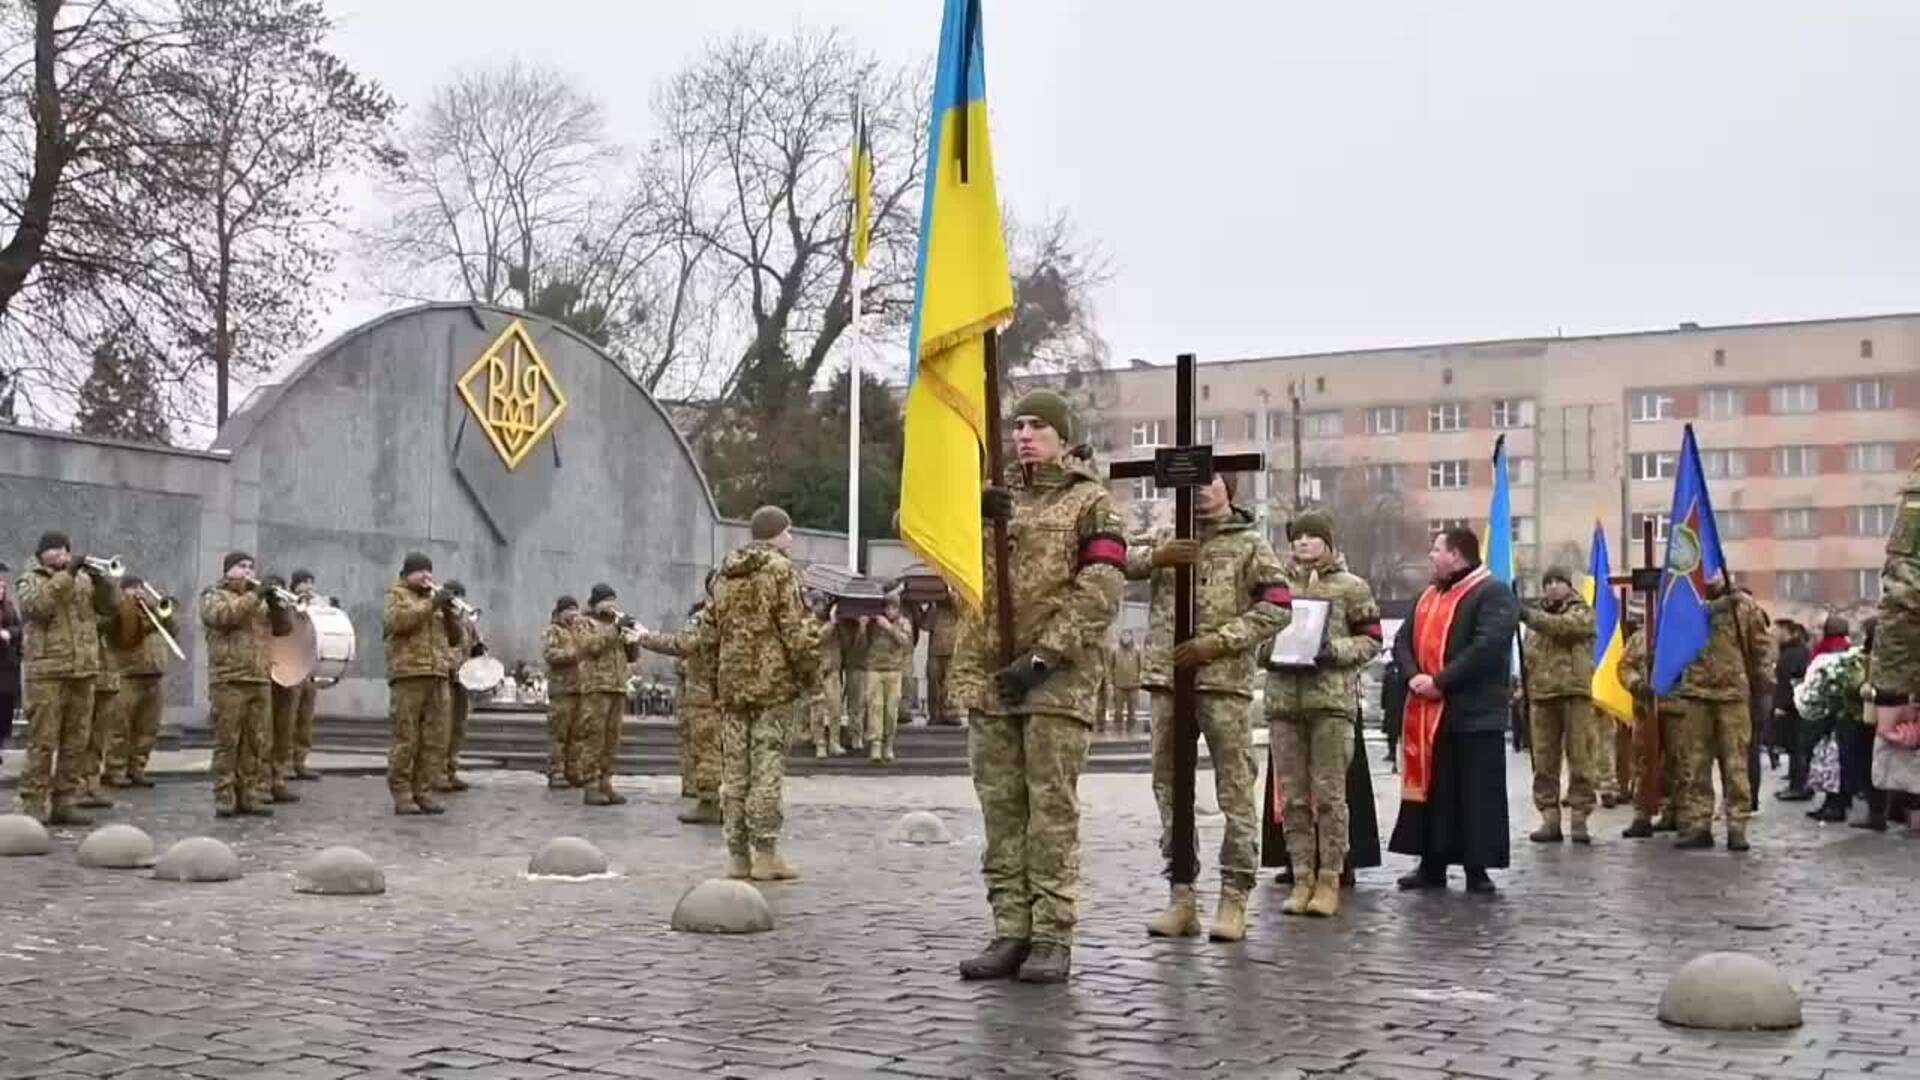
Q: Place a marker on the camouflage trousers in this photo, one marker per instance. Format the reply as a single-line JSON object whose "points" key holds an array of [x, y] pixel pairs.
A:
{"points": [[458, 705], [1310, 759], [1227, 726], [1126, 699], [1563, 731], [883, 709], [286, 709], [597, 738], [563, 713], [417, 707], [1026, 773], [140, 708], [855, 681], [105, 729], [939, 708], [242, 757], [1712, 732], [753, 753], [700, 731], [824, 710], [59, 711], [1668, 728], [303, 701]]}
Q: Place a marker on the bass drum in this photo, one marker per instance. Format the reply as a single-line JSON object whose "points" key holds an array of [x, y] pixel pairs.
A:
{"points": [[481, 675], [333, 644], [291, 656]]}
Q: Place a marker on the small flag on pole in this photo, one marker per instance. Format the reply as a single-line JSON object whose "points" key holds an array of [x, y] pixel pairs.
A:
{"points": [[860, 179], [1609, 643]]}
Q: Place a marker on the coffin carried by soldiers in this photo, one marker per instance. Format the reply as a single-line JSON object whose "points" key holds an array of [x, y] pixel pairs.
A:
{"points": [[920, 585], [853, 594]]}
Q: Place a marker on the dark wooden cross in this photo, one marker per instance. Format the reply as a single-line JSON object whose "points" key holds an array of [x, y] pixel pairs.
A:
{"points": [[1184, 467], [1645, 580]]}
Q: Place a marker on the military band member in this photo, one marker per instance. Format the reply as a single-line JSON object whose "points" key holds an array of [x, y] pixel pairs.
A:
{"points": [[239, 615], [140, 656], [699, 723], [300, 745], [108, 723], [1561, 718], [889, 649], [413, 619], [560, 648], [463, 643], [60, 599], [282, 703], [1031, 727], [608, 643]]}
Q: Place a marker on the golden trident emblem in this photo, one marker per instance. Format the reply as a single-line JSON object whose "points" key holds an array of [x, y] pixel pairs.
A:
{"points": [[522, 400]]}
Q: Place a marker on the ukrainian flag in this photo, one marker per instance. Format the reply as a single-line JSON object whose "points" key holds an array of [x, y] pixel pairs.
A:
{"points": [[964, 291], [1609, 644], [860, 177]]}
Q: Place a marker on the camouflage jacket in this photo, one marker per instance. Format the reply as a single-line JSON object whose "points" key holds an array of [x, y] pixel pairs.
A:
{"points": [[1896, 642], [889, 645], [60, 614], [766, 645], [603, 655], [1125, 665], [1353, 640], [1560, 649], [134, 649], [829, 653], [696, 658], [414, 632], [943, 629], [1068, 566], [461, 638], [562, 655], [238, 631], [853, 645], [1633, 675], [1239, 601], [1720, 672]]}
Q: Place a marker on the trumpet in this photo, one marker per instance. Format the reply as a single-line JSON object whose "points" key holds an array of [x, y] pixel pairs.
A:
{"points": [[112, 568], [158, 609], [457, 603], [629, 627]]}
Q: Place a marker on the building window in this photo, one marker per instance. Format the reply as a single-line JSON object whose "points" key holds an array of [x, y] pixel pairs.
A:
{"points": [[1322, 425], [1869, 394], [1449, 416], [1638, 525], [1719, 358], [1802, 586], [1731, 525], [1648, 405], [1510, 413], [1520, 471], [1797, 522], [1659, 466], [1723, 464], [1796, 460], [1253, 426], [1276, 425], [1800, 397], [1150, 433], [1870, 457], [1866, 348], [1206, 393], [1385, 477], [1143, 489], [1386, 420], [1864, 585], [1525, 531], [1206, 431], [1444, 475], [1873, 521], [1722, 402], [1436, 526]]}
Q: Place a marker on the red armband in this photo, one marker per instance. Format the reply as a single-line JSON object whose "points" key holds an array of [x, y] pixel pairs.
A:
{"points": [[1278, 595], [1104, 549]]}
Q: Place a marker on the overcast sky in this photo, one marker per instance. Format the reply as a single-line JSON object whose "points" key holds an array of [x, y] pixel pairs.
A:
{"points": [[1274, 177]]}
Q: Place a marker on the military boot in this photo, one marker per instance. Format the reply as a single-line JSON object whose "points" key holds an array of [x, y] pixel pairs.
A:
{"points": [[428, 806], [739, 867], [63, 814], [1304, 881], [1230, 919], [1665, 822], [1549, 830], [594, 796], [1694, 840], [1326, 894], [1641, 828], [1182, 917], [767, 865], [1046, 963], [91, 799], [139, 780], [704, 812], [403, 805], [454, 783], [1580, 835], [1737, 838], [999, 960], [613, 797]]}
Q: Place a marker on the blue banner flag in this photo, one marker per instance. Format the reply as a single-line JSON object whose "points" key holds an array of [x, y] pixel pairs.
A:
{"points": [[1694, 558], [1499, 544]]}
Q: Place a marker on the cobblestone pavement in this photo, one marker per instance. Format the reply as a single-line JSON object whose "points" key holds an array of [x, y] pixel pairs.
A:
{"points": [[466, 968]]}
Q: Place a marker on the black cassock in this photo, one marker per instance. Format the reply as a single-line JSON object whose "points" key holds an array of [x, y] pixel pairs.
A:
{"points": [[1363, 824]]}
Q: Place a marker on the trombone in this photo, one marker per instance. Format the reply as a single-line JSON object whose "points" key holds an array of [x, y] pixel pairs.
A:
{"points": [[158, 609], [114, 568]]}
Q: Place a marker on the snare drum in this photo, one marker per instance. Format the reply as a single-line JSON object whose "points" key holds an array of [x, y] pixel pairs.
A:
{"points": [[333, 643]]}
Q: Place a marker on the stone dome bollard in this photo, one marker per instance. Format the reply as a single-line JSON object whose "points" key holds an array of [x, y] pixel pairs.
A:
{"points": [[722, 906], [568, 856], [116, 847], [1730, 992], [198, 858], [340, 871], [921, 827], [22, 835]]}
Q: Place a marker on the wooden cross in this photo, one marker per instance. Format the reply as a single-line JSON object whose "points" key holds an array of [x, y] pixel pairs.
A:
{"points": [[1645, 580], [1184, 467]]}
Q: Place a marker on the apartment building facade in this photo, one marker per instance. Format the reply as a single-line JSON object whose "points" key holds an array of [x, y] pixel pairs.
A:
{"points": [[1806, 430]]}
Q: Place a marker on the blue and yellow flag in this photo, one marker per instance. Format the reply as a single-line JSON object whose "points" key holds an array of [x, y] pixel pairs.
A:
{"points": [[860, 180], [1609, 643], [964, 291], [1694, 558], [1499, 543]]}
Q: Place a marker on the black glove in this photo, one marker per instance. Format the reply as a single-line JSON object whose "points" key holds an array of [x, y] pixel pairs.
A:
{"points": [[1018, 680], [996, 504], [479, 649]]}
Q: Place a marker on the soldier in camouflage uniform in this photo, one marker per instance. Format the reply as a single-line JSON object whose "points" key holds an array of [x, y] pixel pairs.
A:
{"points": [[1240, 601], [608, 643], [766, 650], [60, 599], [1125, 665], [1031, 725], [239, 616], [300, 741], [1560, 678], [830, 697], [1633, 675], [108, 725], [1310, 715], [1894, 671], [1714, 697], [463, 643], [942, 625], [140, 656], [889, 649], [853, 672], [413, 620], [699, 723], [561, 652]]}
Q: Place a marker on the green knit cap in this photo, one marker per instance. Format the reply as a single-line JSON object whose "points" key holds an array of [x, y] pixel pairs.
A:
{"points": [[1048, 406], [1311, 523]]}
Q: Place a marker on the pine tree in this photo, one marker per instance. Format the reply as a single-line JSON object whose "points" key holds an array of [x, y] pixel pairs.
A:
{"points": [[121, 397]]}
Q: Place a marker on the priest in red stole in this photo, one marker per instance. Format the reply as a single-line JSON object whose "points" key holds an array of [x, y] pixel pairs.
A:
{"points": [[1456, 655]]}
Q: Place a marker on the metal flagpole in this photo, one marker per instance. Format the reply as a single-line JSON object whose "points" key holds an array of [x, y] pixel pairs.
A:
{"points": [[853, 432]]}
